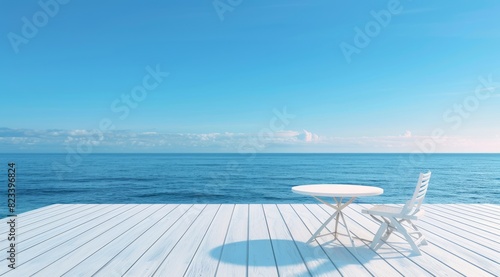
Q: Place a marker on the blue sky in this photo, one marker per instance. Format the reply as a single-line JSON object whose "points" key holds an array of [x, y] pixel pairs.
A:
{"points": [[418, 68]]}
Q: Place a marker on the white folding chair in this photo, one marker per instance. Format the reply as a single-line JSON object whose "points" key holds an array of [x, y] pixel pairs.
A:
{"points": [[394, 218]]}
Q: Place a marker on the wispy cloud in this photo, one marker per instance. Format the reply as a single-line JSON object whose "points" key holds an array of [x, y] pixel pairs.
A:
{"points": [[407, 134], [128, 140], [409, 142]]}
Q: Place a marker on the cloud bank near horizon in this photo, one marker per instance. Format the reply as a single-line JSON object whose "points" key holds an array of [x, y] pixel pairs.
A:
{"points": [[128, 141]]}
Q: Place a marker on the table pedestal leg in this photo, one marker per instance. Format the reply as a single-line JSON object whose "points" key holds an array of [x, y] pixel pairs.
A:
{"points": [[339, 212], [337, 223], [337, 215], [347, 228], [322, 227]]}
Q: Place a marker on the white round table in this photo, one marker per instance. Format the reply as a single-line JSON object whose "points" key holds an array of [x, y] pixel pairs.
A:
{"points": [[337, 192]]}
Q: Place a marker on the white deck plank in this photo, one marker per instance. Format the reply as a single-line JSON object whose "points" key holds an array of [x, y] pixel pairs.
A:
{"points": [[91, 262], [288, 258], [478, 207], [344, 261], [125, 258], [315, 257], [41, 243], [492, 214], [466, 232], [478, 219], [153, 256], [465, 245], [233, 261], [465, 211], [444, 251], [492, 207], [261, 261], [206, 259], [48, 231], [44, 211], [35, 258], [491, 228], [67, 229], [131, 227], [478, 210], [43, 230], [471, 258], [27, 224], [187, 246]]}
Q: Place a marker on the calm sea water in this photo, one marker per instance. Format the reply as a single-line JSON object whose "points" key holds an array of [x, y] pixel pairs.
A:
{"points": [[238, 178]]}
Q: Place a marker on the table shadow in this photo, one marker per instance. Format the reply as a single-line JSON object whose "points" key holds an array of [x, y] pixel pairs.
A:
{"points": [[324, 255]]}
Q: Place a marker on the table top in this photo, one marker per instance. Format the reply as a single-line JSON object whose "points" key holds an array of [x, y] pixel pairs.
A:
{"points": [[337, 190]]}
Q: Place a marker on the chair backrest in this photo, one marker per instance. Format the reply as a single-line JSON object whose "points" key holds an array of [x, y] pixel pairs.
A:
{"points": [[413, 206]]}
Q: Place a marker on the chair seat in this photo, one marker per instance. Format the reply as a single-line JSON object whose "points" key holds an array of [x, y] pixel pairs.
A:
{"points": [[391, 211]]}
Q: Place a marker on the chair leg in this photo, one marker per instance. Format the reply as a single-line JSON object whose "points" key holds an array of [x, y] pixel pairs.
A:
{"points": [[378, 235], [407, 236], [387, 234], [423, 241], [421, 237]]}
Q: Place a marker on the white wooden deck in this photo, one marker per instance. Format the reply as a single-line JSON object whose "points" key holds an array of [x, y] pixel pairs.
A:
{"points": [[244, 240]]}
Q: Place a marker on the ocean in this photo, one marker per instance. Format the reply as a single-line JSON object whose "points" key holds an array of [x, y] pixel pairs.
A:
{"points": [[45, 179]]}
